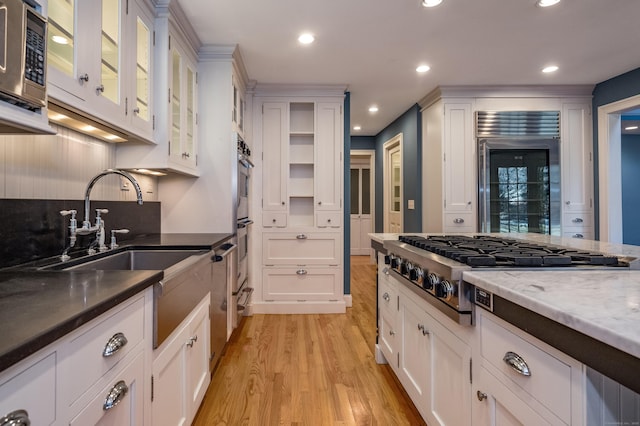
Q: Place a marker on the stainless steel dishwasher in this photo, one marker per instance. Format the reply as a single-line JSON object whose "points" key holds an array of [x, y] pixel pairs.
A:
{"points": [[222, 272]]}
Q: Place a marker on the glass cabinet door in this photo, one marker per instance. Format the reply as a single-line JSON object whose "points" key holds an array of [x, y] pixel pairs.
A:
{"points": [[110, 51], [190, 113], [62, 30], [143, 64], [176, 68]]}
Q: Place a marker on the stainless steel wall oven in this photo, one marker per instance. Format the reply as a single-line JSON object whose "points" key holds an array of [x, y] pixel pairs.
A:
{"points": [[241, 291]]}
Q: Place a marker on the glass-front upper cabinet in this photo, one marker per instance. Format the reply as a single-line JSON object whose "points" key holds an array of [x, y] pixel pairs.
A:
{"points": [[139, 96], [110, 51]]}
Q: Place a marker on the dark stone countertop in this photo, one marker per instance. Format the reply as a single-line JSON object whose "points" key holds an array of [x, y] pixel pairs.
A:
{"points": [[38, 307]]}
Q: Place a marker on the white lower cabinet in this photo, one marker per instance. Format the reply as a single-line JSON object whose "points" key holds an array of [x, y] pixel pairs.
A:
{"points": [[388, 330], [29, 389], [434, 365], [181, 370], [523, 380]]}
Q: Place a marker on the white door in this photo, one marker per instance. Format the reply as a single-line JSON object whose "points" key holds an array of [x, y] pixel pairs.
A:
{"points": [[361, 205], [393, 196]]}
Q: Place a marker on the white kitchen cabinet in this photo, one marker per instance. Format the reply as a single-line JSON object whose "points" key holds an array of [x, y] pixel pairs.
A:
{"points": [[388, 307], [91, 70], [175, 104], [31, 386], [577, 169], [181, 370], [299, 138], [434, 364], [450, 169], [551, 393]]}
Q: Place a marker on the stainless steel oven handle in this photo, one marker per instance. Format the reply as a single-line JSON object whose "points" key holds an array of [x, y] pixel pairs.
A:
{"points": [[217, 257]]}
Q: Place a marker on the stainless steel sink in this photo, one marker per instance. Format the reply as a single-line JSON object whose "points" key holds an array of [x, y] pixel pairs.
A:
{"points": [[129, 260]]}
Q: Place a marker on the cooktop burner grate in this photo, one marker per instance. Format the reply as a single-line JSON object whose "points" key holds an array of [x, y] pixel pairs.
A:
{"points": [[490, 251]]}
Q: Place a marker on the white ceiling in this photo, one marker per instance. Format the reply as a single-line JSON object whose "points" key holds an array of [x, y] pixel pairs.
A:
{"points": [[374, 46]]}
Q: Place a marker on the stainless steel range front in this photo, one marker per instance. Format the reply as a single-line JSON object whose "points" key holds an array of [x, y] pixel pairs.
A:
{"points": [[434, 264]]}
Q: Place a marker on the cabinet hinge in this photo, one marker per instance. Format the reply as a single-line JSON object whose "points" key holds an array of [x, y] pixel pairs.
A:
{"points": [[126, 107], [153, 121], [590, 203], [126, 7], [471, 370], [444, 157], [196, 118], [398, 303], [196, 78], [169, 147], [154, 38], [151, 388], [590, 159], [263, 109], [196, 159], [262, 202], [445, 203], [169, 41], [398, 359]]}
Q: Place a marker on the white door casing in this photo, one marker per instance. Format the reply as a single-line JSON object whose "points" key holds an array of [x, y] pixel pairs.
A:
{"points": [[362, 204]]}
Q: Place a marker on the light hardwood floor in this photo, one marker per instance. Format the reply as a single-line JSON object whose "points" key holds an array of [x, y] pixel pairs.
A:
{"points": [[309, 369]]}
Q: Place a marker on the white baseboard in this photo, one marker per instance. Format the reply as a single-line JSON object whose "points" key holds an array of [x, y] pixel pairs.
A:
{"points": [[299, 307], [348, 300], [380, 359]]}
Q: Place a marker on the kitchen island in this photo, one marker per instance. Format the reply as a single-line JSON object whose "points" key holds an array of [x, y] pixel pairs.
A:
{"points": [[589, 313]]}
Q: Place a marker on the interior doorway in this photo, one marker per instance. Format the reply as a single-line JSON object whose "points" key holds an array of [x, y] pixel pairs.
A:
{"points": [[609, 167], [393, 186], [362, 200]]}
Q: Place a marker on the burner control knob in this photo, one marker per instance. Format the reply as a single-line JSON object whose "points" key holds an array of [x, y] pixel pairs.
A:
{"points": [[387, 260], [445, 290], [395, 262], [406, 268], [432, 281], [417, 275]]}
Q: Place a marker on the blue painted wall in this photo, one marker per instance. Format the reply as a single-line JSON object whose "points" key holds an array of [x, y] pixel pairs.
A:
{"points": [[363, 142], [346, 251], [614, 89], [410, 125], [630, 150]]}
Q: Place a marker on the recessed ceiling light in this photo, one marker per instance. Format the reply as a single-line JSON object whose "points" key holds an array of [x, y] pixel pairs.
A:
{"points": [[546, 3], [631, 128], [431, 3], [357, 128], [550, 68], [373, 108], [306, 38], [423, 68]]}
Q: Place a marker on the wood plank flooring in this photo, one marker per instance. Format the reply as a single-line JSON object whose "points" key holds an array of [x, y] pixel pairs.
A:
{"points": [[309, 369]]}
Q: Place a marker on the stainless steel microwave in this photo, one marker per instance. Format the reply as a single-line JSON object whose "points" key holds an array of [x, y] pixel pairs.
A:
{"points": [[23, 55]]}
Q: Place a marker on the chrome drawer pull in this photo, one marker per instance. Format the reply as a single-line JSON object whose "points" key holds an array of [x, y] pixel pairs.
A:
{"points": [[578, 236], [16, 418], [458, 220], [301, 237], [385, 270], [116, 395], [301, 272], [577, 220], [516, 362], [392, 333], [481, 395], [192, 340], [114, 344], [386, 297]]}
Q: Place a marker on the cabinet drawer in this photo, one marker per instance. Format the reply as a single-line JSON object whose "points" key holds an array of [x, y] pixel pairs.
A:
{"points": [[329, 219], [128, 411], [86, 361], [274, 219], [33, 390], [301, 249], [578, 219], [459, 222], [387, 298], [302, 283], [586, 234], [550, 380]]}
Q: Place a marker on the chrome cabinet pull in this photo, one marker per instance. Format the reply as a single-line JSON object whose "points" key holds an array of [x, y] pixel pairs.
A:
{"points": [[458, 220], [116, 394], [578, 236], [516, 362], [16, 418], [301, 237], [100, 89], [301, 272], [115, 343], [392, 333], [84, 78], [481, 396], [136, 110], [385, 270], [577, 220], [386, 297], [192, 340]]}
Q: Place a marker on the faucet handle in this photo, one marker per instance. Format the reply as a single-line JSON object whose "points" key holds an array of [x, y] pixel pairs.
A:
{"points": [[113, 236], [69, 212], [98, 218], [73, 223]]}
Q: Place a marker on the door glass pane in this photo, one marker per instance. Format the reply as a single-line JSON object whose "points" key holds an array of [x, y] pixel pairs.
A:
{"points": [[190, 111], [355, 194], [143, 51], [111, 49], [395, 182], [366, 191], [175, 103], [61, 30]]}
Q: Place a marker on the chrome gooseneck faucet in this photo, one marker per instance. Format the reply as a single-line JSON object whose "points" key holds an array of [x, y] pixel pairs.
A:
{"points": [[86, 223]]}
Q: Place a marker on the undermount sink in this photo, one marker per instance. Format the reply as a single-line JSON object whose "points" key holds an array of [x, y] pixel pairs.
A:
{"points": [[128, 260]]}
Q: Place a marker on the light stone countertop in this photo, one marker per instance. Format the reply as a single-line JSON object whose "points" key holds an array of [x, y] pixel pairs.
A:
{"points": [[603, 304]]}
